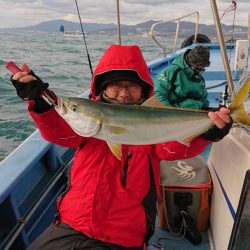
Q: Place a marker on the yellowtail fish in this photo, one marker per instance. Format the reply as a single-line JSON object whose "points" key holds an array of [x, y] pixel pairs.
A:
{"points": [[149, 123]]}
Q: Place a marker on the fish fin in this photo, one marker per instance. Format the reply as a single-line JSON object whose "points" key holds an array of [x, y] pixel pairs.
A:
{"points": [[153, 102], [116, 130], [188, 139], [239, 111], [115, 149]]}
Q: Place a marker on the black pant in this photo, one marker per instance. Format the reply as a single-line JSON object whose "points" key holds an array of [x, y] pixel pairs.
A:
{"points": [[63, 237]]}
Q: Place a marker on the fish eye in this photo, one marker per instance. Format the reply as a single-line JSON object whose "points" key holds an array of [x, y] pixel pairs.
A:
{"points": [[74, 107]]}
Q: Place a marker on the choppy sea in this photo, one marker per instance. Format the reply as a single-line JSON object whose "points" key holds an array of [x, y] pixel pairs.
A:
{"points": [[59, 60]]}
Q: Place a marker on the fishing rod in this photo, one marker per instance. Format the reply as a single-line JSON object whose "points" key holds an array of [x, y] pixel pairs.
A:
{"points": [[84, 39]]}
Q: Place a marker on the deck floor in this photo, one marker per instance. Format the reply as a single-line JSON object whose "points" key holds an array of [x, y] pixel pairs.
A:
{"points": [[182, 244]]}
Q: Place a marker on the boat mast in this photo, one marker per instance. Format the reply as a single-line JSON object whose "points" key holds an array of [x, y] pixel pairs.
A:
{"points": [[222, 47], [118, 22]]}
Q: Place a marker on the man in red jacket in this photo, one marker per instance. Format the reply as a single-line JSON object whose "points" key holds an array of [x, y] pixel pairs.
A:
{"points": [[110, 203]]}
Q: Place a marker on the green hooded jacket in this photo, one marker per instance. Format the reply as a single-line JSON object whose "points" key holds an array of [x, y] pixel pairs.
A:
{"points": [[179, 86]]}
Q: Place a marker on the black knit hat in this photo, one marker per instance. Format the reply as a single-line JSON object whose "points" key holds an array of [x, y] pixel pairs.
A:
{"points": [[198, 56], [118, 75]]}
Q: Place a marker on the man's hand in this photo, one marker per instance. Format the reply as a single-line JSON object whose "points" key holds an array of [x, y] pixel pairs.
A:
{"points": [[222, 125], [221, 117], [28, 85], [24, 76]]}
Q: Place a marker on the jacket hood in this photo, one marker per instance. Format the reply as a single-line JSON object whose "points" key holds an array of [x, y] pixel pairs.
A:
{"points": [[120, 57], [180, 62]]}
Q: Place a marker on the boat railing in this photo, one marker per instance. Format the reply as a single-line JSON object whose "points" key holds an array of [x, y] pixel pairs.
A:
{"points": [[248, 28], [177, 20]]}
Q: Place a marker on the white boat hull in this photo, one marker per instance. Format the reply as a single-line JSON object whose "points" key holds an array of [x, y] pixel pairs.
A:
{"points": [[228, 162]]}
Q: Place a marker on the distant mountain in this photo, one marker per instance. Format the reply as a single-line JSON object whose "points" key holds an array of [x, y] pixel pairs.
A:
{"points": [[54, 26], [186, 28]]}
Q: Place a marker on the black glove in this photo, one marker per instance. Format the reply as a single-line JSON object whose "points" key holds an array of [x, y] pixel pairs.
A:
{"points": [[32, 91], [216, 134]]}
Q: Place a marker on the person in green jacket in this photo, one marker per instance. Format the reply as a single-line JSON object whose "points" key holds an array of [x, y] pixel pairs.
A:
{"points": [[182, 84]]}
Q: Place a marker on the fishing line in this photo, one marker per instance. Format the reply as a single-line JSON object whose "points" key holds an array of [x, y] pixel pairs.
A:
{"points": [[83, 34]]}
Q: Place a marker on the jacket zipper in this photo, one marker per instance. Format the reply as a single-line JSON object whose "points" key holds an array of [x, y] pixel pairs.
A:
{"points": [[125, 170]]}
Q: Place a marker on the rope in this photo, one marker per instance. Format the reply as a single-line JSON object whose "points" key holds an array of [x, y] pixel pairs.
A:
{"points": [[244, 128], [176, 236], [233, 8], [244, 78]]}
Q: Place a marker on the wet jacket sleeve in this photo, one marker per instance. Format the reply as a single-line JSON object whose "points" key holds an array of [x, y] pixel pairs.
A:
{"points": [[54, 129], [174, 150]]}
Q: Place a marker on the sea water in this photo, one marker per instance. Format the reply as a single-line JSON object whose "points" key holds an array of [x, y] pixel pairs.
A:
{"points": [[59, 60]]}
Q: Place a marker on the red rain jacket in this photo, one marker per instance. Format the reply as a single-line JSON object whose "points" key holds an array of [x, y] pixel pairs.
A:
{"points": [[111, 200]]}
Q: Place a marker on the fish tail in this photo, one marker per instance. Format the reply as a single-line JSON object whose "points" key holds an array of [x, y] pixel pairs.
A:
{"points": [[241, 111]]}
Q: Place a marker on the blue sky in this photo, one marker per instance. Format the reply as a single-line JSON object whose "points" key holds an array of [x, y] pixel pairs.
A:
{"points": [[21, 13]]}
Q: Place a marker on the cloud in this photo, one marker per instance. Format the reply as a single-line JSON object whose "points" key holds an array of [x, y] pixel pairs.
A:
{"points": [[30, 12]]}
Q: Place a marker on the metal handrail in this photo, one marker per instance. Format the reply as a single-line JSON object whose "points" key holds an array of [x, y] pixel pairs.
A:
{"points": [[248, 27], [248, 35], [152, 32]]}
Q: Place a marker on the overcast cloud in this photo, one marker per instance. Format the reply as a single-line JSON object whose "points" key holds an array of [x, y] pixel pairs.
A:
{"points": [[16, 13]]}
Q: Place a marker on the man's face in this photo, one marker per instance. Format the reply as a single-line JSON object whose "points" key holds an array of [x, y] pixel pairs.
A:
{"points": [[199, 70], [124, 91]]}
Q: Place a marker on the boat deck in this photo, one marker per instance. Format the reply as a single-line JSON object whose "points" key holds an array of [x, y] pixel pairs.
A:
{"points": [[170, 243], [30, 183]]}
